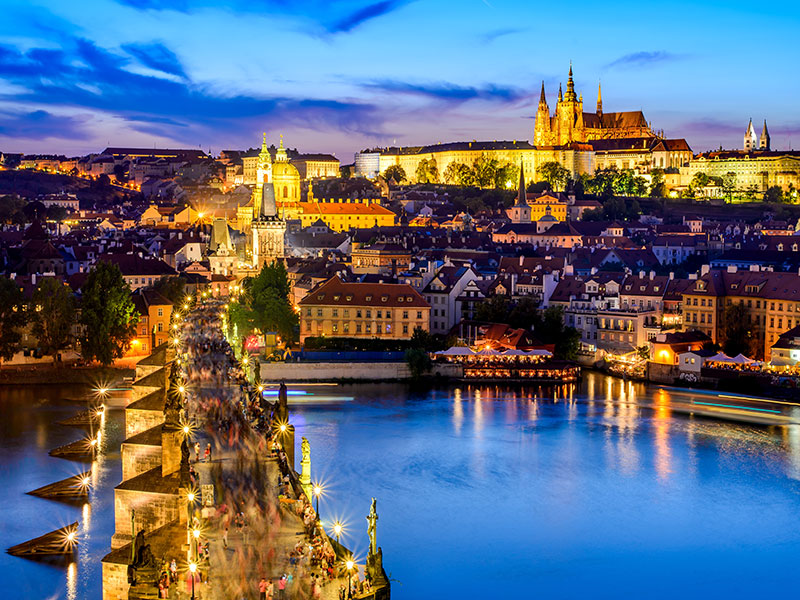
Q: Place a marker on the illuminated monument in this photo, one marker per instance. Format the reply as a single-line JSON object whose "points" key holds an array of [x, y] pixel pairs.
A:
{"points": [[571, 124], [267, 228]]}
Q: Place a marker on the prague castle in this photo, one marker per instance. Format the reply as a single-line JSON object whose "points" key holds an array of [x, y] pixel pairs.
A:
{"points": [[571, 124], [581, 142]]}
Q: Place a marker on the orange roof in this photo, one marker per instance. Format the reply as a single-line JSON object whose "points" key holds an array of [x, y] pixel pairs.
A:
{"points": [[336, 292], [344, 208]]}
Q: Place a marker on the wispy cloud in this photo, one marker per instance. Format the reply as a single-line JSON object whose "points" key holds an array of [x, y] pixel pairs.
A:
{"points": [[496, 34], [40, 124], [172, 108], [449, 92], [643, 59], [156, 56], [371, 11]]}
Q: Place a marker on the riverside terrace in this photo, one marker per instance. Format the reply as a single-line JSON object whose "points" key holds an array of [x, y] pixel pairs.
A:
{"points": [[237, 519], [488, 364]]}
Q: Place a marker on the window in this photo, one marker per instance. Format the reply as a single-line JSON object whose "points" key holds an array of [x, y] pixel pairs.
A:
{"points": [[368, 327], [388, 328], [358, 327], [384, 298], [419, 314], [405, 314], [358, 314], [369, 298], [308, 312], [369, 314], [335, 328], [378, 314], [346, 327], [160, 327], [335, 312], [346, 312], [160, 312], [319, 312]]}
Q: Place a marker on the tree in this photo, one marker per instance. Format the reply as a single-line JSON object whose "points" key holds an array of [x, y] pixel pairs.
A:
{"points": [[11, 210], [395, 172], [172, 288], [550, 329], [56, 213], [554, 174], [419, 362], [658, 188], [699, 181], [459, 174], [485, 169], [268, 293], [493, 310], [53, 315], [108, 315], [506, 176], [773, 195], [427, 172], [12, 317], [737, 331], [729, 185]]}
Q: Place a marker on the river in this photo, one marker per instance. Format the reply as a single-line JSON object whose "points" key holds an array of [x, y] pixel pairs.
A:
{"points": [[561, 492]]}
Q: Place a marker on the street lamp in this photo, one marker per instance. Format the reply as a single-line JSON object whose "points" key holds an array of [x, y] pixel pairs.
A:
{"points": [[349, 564], [317, 490], [193, 570], [337, 530]]}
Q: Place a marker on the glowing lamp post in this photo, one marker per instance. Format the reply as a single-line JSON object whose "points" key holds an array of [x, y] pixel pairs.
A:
{"points": [[317, 490], [337, 530], [193, 570], [349, 564]]}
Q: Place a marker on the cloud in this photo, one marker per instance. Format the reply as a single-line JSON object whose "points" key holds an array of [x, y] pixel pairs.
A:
{"points": [[495, 34], [330, 16], [449, 92], [40, 124], [176, 108], [643, 59], [156, 56], [371, 11]]}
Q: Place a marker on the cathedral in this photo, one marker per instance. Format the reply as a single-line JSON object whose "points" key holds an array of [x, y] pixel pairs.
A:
{"points": [[571, 124]]}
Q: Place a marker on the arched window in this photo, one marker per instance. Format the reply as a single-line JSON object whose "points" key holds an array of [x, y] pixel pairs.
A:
{"points": [[286, 191]]}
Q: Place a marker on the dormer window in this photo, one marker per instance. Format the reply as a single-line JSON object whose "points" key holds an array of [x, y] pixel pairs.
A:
{"points": [[336, 296], [320, 296], [400, 299], [348, 298], [368, 298], [384, 298]]}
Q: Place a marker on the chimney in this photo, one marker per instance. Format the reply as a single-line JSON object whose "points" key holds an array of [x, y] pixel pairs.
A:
{"points": [[671, 275], [732, 269], [641, 274], [704, 270], [521, 260], [33, 279], [652, 275]]}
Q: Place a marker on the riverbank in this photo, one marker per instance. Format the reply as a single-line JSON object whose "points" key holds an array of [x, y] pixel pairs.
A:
{"points": [[60, 375]]}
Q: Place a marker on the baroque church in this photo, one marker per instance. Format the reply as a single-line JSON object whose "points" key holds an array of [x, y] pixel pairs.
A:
{"points": [[571, 124]]}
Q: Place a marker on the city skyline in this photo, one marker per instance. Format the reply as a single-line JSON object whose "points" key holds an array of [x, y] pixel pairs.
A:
{"points": [[214, 74]]}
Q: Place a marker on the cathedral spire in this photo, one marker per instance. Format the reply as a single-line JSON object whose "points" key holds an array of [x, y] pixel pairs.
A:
{"points": [[542, 99], [570, 95], [599, 100], [764, 141], [559, 93]]}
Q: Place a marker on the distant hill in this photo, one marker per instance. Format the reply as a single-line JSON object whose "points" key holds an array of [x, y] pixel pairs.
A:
{"points": [[30, 184]]}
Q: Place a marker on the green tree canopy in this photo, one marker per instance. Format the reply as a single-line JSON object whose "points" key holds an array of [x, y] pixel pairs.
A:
{"points": [[773, 194], [459, 174], [554, 174], [265, 305], [395, 172], [108, 315], [427, 172], [738, 334], [53, 315], [12, 317], [172, 288], [485, 169]]}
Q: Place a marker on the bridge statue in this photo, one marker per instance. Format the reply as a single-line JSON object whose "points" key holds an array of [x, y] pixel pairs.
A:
{"points": [[305, 469], [374, 568]]}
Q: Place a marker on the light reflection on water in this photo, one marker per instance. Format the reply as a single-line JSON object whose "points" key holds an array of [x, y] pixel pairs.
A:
{"points": [[561, 492], [28, 431]]}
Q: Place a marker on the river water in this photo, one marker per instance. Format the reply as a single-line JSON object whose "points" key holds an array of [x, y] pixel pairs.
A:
{"points": [[568, 492]]}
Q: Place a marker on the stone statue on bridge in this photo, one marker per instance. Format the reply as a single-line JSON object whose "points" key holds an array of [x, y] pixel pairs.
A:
{"points": [[375, 556], [372, 520], [305, 469]]}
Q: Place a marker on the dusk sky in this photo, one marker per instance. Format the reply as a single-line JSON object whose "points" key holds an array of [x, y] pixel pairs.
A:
{"points": [[339, 76]]}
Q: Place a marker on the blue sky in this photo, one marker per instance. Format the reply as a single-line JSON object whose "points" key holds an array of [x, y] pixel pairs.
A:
{"points": [[341, 75]]}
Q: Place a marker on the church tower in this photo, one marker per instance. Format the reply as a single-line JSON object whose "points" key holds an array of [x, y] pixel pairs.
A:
{"points": [[541, 130], [750, 139], [268, 230], [521, 211], [569, 114], [764, 141]]}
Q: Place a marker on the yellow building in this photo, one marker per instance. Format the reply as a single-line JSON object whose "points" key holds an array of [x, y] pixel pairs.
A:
{"points": [[346, 216], [757, 169], [771, 300], [387, 311], [547, 204], [286, 181], [152, 330]]}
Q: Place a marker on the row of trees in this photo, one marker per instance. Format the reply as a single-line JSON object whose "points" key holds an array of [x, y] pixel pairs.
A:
{"points": [[485, 173], [107, 320]]}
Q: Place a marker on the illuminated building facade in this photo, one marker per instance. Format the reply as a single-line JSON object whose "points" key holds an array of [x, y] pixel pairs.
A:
{"points": [[363, 310], [344, 216]]}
